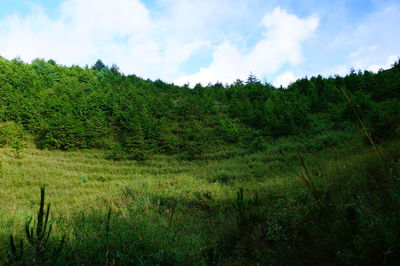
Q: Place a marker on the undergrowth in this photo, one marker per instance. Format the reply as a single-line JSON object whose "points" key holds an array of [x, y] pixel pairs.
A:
{"points": [[335, 207]]}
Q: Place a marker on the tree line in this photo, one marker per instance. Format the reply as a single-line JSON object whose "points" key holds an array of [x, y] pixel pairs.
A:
{"points": [[98, 107]]}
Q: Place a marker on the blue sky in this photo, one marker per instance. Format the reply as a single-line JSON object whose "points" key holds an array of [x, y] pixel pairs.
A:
{"points": [[191, 41]]}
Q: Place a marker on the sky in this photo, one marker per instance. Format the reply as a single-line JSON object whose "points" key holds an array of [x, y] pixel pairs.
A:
{"points": [[206, 41]]}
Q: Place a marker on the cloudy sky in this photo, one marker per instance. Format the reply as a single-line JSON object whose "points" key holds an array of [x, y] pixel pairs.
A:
{"points": [[191, 41]]}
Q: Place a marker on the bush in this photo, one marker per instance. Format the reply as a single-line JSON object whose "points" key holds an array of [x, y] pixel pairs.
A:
{"points": [[119, 152], [10, 133], [384, 121], [228, 130], [259, 144], [39, 250], [192, 150]]}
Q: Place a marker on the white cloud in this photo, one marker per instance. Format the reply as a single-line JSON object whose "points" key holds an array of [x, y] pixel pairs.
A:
{"points": [[282, 43], [389, 63], [125, 32], [156, 43], [118, 31], [78, 34], [201, 19], [365, 58], [101, 20], [372, 44], [285, 79]]}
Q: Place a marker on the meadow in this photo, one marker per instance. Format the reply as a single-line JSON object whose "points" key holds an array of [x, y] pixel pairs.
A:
{"points": [[142, 172], [293, 203]]}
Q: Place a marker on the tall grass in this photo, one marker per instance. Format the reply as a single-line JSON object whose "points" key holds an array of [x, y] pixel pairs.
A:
{"points": [[241, 209]]}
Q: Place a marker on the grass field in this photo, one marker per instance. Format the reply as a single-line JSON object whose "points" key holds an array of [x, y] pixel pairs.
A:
{"points": [[232, 207]]}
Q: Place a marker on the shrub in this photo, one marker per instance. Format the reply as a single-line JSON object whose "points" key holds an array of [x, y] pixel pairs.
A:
{"points": [[120, 152], [10, 133], [38, 250]]}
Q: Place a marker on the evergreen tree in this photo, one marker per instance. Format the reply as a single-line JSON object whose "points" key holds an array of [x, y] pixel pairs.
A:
{"points": [[99, 65]]}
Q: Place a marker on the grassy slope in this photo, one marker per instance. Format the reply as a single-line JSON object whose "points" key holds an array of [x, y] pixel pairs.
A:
{"points": [[181, 212], [65, 174]]}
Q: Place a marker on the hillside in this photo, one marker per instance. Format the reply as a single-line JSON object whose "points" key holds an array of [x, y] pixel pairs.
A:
{"points": [[73, 108], [142, 172]]}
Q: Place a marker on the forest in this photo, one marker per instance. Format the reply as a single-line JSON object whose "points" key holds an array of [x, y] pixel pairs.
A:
{"points": [[143, 172]]}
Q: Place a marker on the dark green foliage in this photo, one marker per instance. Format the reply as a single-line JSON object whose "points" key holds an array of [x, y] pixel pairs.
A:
{"points": [[39, 237], [74, 108], [340, 216], [228, 130], [385, 120], [11, 134], [259, 144], [193, 140], [17, 145], [120, 152], [16, 253], [343, 213], [39, 251], [99, 65]]}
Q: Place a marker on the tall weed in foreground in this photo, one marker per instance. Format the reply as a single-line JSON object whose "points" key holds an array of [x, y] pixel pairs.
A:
{"points": [[39, 250], [18, 146], [366, 131]]}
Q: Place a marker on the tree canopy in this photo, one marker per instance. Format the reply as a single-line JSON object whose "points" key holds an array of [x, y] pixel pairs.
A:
{"points": [[73, 107]]}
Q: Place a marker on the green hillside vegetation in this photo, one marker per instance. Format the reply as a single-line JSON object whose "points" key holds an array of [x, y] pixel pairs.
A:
{"points": [[142, 172]]}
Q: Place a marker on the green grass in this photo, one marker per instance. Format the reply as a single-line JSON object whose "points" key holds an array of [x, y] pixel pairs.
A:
{"points": [[169, 211]]}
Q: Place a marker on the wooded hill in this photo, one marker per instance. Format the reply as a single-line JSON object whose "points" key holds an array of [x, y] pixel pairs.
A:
{"points": [[98, 107], [240, 174]]}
